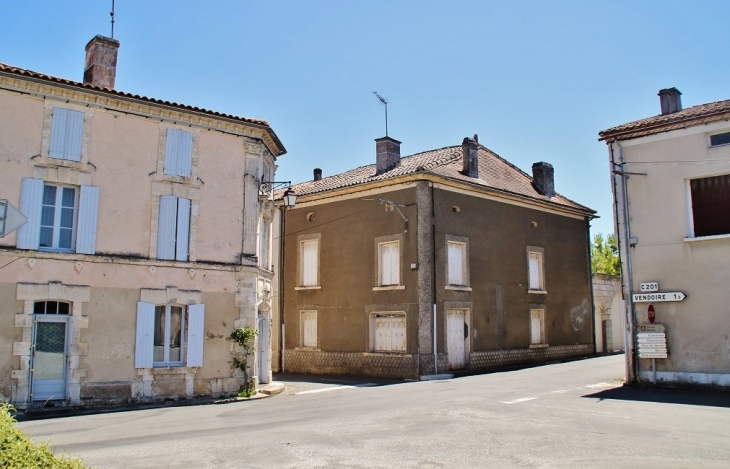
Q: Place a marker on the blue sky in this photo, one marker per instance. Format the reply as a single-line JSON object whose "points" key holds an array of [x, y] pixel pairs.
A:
{"points": [[536, 80]]}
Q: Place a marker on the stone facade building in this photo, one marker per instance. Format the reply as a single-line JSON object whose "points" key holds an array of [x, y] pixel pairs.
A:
{"points": [[608, 306], [147, 240], [444, 261]]}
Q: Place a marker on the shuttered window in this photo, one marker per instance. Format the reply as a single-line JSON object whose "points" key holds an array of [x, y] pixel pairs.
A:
{"points": [[164, 332], [308, 327], [67, 130], [535, 266], [711, 205], [537, 326], [309, 260], [389, 263], [457, 263], [178, 152], [389, 332], [173, 228]]}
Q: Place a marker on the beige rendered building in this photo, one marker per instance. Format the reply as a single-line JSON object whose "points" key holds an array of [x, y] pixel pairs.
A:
{"points": [[147, 241], [671, 183]]}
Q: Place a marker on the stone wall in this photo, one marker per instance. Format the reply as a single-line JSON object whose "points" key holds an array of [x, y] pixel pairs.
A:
{"points": [[351, 363], [494, 359], [607, 313]]}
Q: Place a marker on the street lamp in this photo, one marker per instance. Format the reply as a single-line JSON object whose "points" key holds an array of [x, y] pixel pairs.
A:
{"points": [[290, 197]]}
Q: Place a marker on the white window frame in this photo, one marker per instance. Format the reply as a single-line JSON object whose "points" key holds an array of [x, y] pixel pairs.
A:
{"points": [[67, 134], [537, 313], [381, 281], [454, 242], [166, 345], [536, 285], [311, 284], [58, 209], [392, 316], [312, 344]]}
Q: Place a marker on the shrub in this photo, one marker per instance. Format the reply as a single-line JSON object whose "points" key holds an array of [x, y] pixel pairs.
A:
{"points": [[17, 451], [245, 338]]}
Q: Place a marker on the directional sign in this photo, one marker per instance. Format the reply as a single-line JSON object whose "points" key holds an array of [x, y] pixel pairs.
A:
{"points": [[658, 297], [648, 335], [652, 328], [649, 287], [653, 355], [652, 341], [10, 218]]}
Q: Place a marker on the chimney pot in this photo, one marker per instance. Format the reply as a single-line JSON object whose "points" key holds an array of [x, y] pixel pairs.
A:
{"points": [[670, 100], [317, 174], [470, 152], [100, 68], [387, 154], [543, 178]]}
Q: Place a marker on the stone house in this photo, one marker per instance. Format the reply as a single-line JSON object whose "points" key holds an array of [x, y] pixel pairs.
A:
{"points": [[147, 241], [671, 186], [451, 260], [609, 310]]}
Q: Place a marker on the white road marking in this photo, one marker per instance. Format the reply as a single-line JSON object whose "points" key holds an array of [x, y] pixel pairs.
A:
{"points": [[601, 385], [333, 388], [559, 391], [517, 401]]}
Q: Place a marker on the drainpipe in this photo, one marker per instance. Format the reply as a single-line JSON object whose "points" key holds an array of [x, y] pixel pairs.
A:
{"points": [[282, 238], [590, 280], [433, 277]]}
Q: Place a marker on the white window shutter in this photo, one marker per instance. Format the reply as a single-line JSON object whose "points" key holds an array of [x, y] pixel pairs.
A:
{"points": [[74, 135], [183, 229], [399, 334], [186, 153], [395, 263], [309, 263], [57, 148], [534, 271], [196, 334], [31, 197], [166, 227], [309, 329], [389, 264], [536, 326], [456, 264], [87, 221], [145, 335], [178, 152]]}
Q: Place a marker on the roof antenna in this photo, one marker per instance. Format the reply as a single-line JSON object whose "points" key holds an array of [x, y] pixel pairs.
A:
{"points": [[112, 15], [382, 100]]}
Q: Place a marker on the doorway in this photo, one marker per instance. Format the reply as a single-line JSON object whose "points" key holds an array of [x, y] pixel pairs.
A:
{"points": [[457, 335], [264, 349], [49, 357]]}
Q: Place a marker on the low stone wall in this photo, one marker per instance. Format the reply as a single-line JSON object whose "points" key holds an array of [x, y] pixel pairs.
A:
{"points": [[351, 363], [493, 359]]}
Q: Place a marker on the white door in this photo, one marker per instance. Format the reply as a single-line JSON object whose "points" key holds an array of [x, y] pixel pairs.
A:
{"points": [[456, 338], [264, 351], [49, 368]]}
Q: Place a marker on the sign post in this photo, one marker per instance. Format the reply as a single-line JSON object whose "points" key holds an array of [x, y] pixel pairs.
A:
{"points": [[658, 297], [652, 342]]}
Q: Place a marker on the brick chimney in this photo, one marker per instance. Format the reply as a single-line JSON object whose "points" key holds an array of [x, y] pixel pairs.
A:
{"points": [[317, 174], [387, 154], [543, 179], [101, 62], [470, 151], [670, 100]]}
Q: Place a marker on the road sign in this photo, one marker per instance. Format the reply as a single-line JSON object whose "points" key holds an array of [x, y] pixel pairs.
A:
{"points": [[648, 287], [652, 328], [652, 341], [653, 355], [10, 218], [647, 335], [650, 313], [658, 297]]}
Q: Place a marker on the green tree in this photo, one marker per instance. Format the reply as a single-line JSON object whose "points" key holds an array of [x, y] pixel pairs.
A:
{"points": [[604, 255]]}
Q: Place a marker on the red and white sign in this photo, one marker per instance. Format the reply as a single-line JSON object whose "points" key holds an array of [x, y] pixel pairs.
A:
{"points": [[650, 313]]}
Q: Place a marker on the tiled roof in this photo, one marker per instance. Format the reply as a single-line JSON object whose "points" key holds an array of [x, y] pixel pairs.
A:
{"points": [[494, 173], [695, 115], [40, 76]]}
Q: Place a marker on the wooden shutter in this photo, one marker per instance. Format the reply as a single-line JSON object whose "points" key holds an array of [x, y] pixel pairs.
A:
{"points": [[166, 227], [398, 335], [309, 328], [145, 335], [182, 237], [196, 334], [87, 221], [31, 197], [178, 152], [309, 262], [67, 130], [535, 271], [456, 254], [711, 205], [536, 326], [381, 334], [389, 264]]}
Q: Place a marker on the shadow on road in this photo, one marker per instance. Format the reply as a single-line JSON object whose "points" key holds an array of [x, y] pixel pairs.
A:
{"points": [[293, 378], [711, 398]]}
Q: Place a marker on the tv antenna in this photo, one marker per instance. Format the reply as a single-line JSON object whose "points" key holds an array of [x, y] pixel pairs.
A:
{"points": [[112, 15], [382, 100]]}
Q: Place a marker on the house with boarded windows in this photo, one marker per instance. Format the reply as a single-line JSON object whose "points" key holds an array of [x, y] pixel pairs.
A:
{"points": [[671, 184], [450, 259], [147, 241]]}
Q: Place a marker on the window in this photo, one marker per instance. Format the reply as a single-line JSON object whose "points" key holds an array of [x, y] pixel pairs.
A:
{"points": [[720, 139], [389, 263], [537, 326], [169, 335], [178, 153], [536, 270], [309, 263], [710, 205], [388, 332], [51, 307], [173, 228], [457, 263], [308, 329], [67, 129], [60, 218]]}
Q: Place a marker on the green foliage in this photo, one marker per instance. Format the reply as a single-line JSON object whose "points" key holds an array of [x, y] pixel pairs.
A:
{"points": [[245, 337], [604, 255], [17, 451]]}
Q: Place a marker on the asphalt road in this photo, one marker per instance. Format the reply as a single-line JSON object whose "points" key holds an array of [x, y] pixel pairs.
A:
{"points": [[563, 415]]}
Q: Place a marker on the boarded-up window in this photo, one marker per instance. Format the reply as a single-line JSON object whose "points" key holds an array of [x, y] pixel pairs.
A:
{"points": [[308, 327], [389, 263], [389, 332], [457, 263], [537, 326], [711, 205], [536, 277], [309, 252]]}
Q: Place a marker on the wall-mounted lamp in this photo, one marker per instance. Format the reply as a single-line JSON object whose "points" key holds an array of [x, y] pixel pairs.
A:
{"points": [[290, 197]]}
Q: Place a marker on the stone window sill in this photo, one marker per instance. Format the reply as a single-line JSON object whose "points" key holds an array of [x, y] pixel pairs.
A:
{"points": [[388, 354], [315, 287], [389, 287], [457, 288], [539, 346], [538, 292], [706, 238]]}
